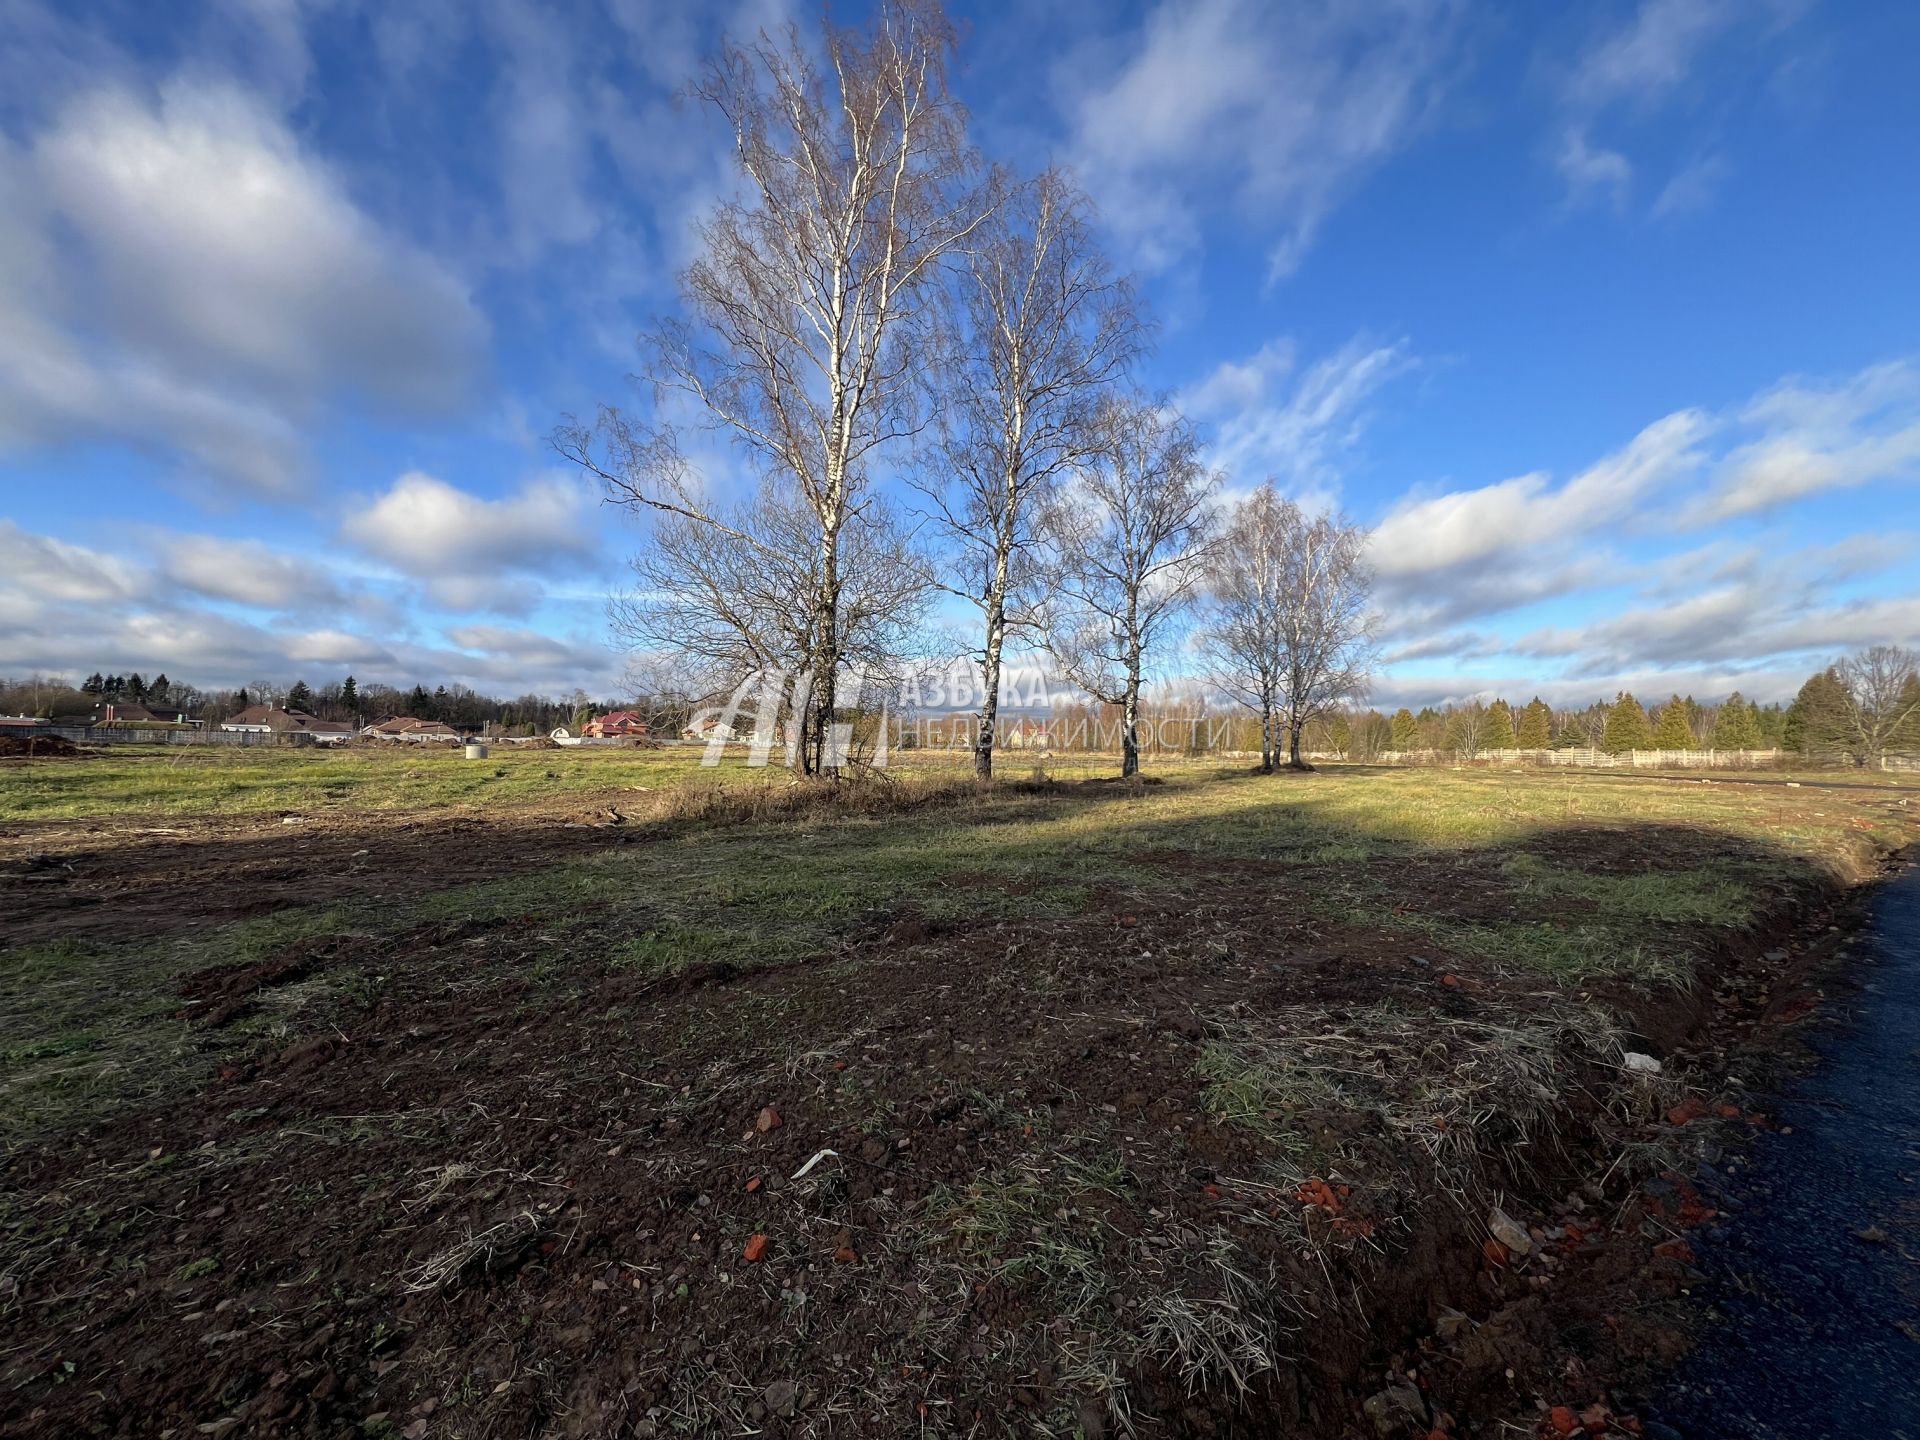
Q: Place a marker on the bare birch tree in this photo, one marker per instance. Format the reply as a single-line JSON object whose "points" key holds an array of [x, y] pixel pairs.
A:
{"points": [[1039, 329], [1290, 634], [1131, 531], [1326, 620], [856, 183], [1241, 638]]}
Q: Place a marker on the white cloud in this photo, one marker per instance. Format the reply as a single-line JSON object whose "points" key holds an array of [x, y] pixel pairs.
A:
{"points": [[148, 633], [1268, 418], [546, 133], [1652, 61], [246, 572], [469, 549], [1450, 558], [337, 648], [1820, 437], [37, 568], [1418, 604], [1458, 644], [181, 277], [1691, 188], [66, 609], [208, 649], [1749, 623], [1280, 107], [529, 649], [224, 250], [1593, 172], [1475, 528], [1651, 56], [493, 592]]}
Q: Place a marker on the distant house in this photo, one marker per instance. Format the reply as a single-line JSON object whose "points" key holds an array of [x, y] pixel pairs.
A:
{"points": [[709, 728], [15, 724], [621, 724], [291, 724], [405, 727], [119, 713]]}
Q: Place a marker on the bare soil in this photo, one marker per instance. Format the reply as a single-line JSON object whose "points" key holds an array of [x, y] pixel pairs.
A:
{"points": [[82, 881], [481, 1199], [39, 747]]}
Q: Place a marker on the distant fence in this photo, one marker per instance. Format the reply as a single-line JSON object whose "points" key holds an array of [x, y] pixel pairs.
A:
{"points": [[167, 735], [1599, 759]]}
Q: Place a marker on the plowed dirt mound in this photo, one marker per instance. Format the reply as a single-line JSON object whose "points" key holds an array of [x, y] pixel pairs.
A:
{"points": [[39, 747]]}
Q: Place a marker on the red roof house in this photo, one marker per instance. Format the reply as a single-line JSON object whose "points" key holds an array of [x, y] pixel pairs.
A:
{"points": [[625, 723]]}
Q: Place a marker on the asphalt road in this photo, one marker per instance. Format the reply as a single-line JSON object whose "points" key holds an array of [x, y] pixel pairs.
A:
{"points": [[1816, 1331]]}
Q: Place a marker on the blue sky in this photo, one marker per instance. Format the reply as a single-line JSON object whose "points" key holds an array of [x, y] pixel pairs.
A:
{"points": [[1605, 317]]}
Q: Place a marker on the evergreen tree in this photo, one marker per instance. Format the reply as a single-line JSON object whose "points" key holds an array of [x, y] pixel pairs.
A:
{"points": [[1536, 726], [350, 696], [299, 697], [1736, 727], [1340, 732], [136, 687], [1499, 734], [1906, 736], [1674, 732], [240, 700], [1406, 730], [1627, 727], [161, 690], [1817, 719], [96, 684], [419, 703], [442, 710]]}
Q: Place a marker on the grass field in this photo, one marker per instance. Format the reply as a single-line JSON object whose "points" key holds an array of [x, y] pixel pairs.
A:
{"points": [[186, 783], [384, 1003]]}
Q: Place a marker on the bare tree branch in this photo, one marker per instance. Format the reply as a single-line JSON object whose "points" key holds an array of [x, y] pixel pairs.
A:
{"points": [[1290, 633], [1131, 529], [1038, 328]]}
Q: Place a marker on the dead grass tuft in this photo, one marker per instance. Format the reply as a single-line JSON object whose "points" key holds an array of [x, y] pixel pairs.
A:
{"points": [[497, 1242], [1456, 1089]]}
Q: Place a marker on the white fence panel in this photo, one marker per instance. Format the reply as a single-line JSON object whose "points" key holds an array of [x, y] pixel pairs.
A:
{"points": [[1598, 759]]}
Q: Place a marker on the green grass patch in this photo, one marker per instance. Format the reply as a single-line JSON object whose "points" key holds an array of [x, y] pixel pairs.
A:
{"points": [[781, 872]]}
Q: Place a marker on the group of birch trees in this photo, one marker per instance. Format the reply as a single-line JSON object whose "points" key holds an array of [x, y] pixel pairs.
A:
{"points": [[873, 301]]}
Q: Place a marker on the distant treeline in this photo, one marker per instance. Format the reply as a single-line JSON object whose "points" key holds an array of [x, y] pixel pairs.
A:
{"points": [[344, 700], [1857, 710]]}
